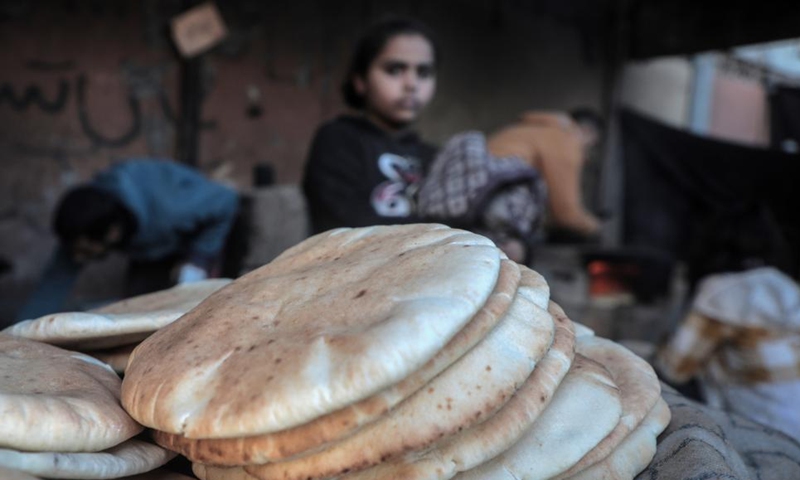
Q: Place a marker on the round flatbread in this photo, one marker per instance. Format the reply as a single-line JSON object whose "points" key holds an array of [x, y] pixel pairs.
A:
{"points": [[466, 393], [639, 388], [129, 458], [635, 452], [332, 321], [481, 443], [584, 409], [116, 358], [284, 444], [122, 323], [55, 400]]}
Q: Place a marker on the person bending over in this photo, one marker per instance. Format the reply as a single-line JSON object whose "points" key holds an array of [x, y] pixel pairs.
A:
{"points": [[169, 219], [557, 145]]}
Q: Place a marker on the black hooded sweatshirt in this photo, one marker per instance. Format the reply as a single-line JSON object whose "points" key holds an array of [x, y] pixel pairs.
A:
{"points": [[359, 175]]}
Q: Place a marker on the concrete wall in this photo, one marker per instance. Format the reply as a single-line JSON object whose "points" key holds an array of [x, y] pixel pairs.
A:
{"points": [[660, 88], [86, 83]]}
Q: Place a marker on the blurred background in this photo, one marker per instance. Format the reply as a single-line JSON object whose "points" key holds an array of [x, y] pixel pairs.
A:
{"points": [[696, 174]]}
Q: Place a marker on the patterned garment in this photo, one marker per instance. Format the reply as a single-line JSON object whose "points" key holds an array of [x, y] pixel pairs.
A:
{"points": [[706, 443], [741, 341], [467, 187]]}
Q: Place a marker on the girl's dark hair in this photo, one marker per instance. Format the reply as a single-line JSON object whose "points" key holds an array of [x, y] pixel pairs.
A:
{"points": [[370, 45], [87, 211]]}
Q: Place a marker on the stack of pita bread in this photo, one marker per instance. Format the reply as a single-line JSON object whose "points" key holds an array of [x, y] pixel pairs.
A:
{"points": [[61, 417], [112, 332], [399, 352]]}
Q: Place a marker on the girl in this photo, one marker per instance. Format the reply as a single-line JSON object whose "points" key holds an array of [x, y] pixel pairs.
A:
{"points": [[364, 167]]}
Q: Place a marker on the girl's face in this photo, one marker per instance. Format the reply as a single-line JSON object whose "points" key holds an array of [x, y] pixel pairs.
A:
{"points": [[400, 81]]}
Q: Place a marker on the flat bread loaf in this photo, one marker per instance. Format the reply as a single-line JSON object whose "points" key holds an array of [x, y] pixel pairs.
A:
{"points": [[129, 458], [334, 426], [584, 409], [635, 452], [468, 392], [122, 323], [639, 388], [330, 322], [55, 400], [481, 443]]}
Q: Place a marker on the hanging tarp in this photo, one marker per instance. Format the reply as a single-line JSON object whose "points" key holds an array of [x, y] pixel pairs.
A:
{"points": [[717, 206]]}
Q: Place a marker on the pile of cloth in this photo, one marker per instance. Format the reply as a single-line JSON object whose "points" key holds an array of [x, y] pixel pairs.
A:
{"points": [[705, 442]]}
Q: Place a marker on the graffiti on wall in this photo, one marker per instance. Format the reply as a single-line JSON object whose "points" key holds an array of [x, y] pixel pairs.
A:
{"points": [[33, 96], [143, 83]]}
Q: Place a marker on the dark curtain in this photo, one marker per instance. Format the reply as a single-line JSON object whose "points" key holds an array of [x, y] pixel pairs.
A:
{"points": [[784, 106], [714, 205]]}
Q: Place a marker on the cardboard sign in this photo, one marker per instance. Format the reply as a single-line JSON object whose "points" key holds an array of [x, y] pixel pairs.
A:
{"points": [[198, 29]]}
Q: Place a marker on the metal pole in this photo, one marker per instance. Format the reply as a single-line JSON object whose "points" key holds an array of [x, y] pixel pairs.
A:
{"points": [[191, 98], [612, 180]]}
